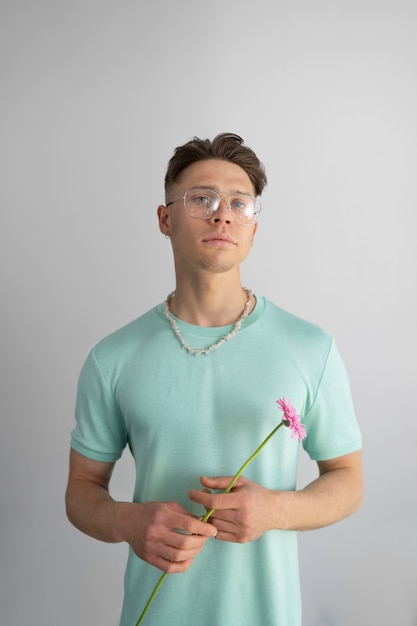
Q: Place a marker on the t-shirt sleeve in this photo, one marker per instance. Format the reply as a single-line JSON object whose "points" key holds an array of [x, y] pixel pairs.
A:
{"points": [[331, 425], [100, 432]]}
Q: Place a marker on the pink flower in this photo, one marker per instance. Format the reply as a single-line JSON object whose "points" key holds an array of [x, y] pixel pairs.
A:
{"points": [[291, 419]]}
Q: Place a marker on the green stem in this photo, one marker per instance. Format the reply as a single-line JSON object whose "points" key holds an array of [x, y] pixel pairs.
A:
{"points": [[151, 597], [210, 513], [244, 466]]}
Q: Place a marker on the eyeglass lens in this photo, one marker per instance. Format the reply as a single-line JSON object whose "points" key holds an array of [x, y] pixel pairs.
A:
{"points": [[201, 203]]}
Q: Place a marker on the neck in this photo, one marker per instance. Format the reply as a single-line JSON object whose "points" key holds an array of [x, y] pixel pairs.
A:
{"points": [[205, 306], [222, 340]]}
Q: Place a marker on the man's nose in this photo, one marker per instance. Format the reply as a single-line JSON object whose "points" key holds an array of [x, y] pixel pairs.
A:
{"points": [[222, 212]]}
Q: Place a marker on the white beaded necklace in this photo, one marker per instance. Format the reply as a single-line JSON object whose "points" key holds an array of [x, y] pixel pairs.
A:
{"points": [[198, 351]]}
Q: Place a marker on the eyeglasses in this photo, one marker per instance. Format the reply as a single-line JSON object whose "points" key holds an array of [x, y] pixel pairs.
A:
{"points": [[201, 204]]}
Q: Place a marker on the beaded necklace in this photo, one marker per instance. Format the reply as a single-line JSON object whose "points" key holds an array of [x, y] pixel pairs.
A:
{"points": [[214, 346]]}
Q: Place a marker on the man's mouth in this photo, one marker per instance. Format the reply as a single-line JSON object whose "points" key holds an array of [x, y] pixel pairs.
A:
{"points": [[220, 238]]}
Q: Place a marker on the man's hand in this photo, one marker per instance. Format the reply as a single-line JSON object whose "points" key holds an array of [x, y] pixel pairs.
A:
{"points": [[164, 534], [242, 515]]}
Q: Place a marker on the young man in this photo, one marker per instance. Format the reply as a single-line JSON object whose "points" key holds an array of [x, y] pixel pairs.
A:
{"points": [[191, 388]]}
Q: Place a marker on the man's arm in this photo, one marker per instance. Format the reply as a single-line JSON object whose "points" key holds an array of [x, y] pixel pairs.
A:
{"points": [[249, 509], [150, 528]]}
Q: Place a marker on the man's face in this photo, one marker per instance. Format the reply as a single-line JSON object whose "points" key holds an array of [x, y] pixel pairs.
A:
{"points": [[217, 244]]}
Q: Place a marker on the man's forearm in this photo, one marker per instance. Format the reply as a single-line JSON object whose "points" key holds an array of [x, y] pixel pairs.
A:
{"points": [[92, 510], [335, 494]]}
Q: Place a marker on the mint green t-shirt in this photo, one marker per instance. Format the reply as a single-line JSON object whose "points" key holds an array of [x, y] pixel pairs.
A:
{"points": [[183, 416]]}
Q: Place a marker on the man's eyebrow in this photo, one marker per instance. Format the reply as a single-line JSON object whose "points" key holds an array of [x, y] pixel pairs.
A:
{"points": [[215, 188]]}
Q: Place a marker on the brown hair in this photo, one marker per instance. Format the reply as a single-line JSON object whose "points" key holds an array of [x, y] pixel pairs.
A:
{"points": [[227, 147]]}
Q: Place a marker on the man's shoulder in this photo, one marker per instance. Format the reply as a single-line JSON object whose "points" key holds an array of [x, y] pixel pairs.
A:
{"points": [[293, 324], [128, 336]]}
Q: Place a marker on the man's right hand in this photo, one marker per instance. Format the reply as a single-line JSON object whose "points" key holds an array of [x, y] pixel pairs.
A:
{"points": [[164, 534]]}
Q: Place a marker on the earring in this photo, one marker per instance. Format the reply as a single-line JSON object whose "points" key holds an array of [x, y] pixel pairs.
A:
{"points": [[166, 236]]}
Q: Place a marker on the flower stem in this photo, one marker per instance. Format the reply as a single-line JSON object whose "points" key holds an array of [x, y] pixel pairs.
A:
{"points": [[244, 466], [151, 597], [210, 512]]}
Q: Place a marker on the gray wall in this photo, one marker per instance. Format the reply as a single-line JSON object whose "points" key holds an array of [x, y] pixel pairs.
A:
{"points": [[94, 97]]}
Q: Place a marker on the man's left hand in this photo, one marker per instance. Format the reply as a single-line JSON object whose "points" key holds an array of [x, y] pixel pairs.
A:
{"points": [[241, 515]]}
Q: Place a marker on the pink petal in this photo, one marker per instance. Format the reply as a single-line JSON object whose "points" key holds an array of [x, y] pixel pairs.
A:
{"points": [[290, 416]]}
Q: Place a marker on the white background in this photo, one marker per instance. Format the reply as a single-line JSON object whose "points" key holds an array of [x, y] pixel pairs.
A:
{"points": [[95, 95]]}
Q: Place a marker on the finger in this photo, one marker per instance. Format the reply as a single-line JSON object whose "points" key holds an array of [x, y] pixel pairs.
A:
{"points": [[212, 501], [191, 525], [172, 567], [230, 531], [185, 543], [225, 522], [224, 535], [177, 555], [223, 516], [178, 551], [219, 482]]}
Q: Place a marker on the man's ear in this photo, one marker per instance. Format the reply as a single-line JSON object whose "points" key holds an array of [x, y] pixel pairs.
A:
{"points": [[164, 220]]}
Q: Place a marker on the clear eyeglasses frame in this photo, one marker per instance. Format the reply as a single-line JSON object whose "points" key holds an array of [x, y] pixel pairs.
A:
{"points": [[201, 203]]}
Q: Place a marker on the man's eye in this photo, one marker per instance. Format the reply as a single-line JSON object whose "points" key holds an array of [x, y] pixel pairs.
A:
{"points": [[240, 204], [201, 200]]}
